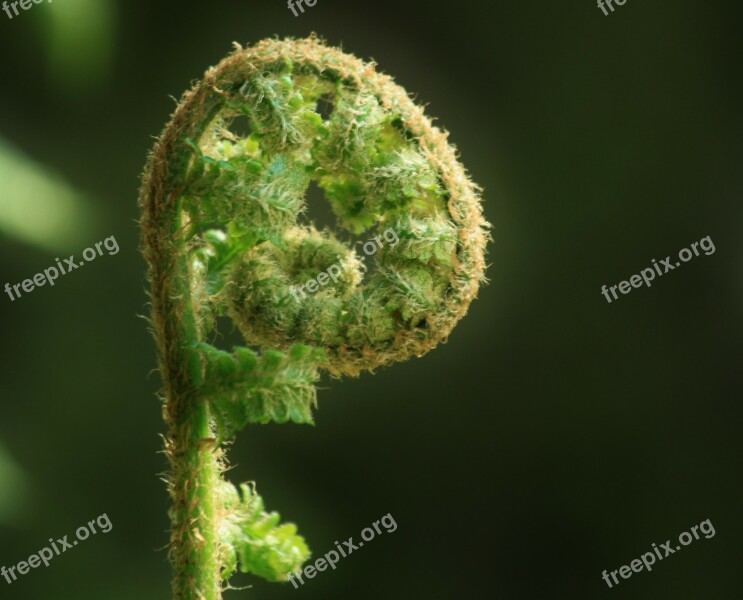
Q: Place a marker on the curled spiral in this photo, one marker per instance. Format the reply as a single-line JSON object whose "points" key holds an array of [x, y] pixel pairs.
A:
{"points": [[382, 166], [225, 234]]}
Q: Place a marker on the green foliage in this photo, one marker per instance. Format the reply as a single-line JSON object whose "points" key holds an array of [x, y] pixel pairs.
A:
{"points": [[245, 387], [226, 235], [255, 539]]}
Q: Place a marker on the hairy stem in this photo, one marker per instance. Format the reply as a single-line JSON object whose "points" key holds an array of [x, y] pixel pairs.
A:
{"points": [[190, 444], [194, 525]]}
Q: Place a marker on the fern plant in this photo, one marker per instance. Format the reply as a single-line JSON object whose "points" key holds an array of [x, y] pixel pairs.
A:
{"points": [[224, 235]]}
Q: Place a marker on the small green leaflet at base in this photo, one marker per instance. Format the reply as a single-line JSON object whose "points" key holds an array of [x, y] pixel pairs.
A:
{"points": [[244, 387], [255, 538]]}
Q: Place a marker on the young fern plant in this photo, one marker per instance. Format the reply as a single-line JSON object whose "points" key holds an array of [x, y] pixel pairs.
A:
{"points": [[223, 236]]}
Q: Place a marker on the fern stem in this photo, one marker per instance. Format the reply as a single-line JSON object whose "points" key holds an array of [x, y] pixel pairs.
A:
{"points": [[194, 479], [194, 462], [190, 441]]}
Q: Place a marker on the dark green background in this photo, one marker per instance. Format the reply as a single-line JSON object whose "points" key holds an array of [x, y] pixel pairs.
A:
{"points": [[553, 436]]}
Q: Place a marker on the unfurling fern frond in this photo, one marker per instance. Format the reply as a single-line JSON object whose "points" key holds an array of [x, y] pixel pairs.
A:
{"points": [[255, 539], [225, 235]]}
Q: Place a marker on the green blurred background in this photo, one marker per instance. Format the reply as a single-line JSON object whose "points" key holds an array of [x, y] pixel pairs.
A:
{"points": [[553, 436]]}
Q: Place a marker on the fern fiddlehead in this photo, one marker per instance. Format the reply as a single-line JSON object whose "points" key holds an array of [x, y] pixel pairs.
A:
{"points": [[223, 235]]}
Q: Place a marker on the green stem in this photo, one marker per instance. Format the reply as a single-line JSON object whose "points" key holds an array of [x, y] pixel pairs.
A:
{"points": [[194, 462], [195, 474], [191, 447], [190, 444]]}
